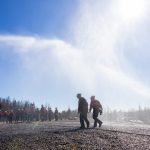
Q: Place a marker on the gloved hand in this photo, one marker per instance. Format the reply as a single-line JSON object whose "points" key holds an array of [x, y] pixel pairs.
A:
{"points": [[100, 112]]}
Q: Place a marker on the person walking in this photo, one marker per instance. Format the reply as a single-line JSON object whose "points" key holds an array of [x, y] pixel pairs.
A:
{"points": [[97, 108], [56, 114], [83, 110]]}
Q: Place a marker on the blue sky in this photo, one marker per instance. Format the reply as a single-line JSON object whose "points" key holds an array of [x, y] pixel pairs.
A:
{"points": [[48, 18], [52, 49]]}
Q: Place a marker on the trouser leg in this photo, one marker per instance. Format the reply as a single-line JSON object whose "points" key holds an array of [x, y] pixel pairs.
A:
{"points": [[86, 120], [96, 120], [99, 121], [82, 120], [95, 123]]}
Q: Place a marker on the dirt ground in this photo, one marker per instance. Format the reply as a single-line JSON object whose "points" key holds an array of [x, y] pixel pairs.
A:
{"points": [[65, 135]]}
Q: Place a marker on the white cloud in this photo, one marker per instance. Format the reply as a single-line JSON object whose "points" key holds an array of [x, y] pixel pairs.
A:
{"points": [[85, 74], [48, 54]]}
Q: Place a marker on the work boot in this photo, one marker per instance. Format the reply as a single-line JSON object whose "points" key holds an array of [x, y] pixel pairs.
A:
{"points": [[82, 127]]}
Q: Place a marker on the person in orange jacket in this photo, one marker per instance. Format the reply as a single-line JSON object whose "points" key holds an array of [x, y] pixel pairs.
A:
{"points": [[97, 108]]}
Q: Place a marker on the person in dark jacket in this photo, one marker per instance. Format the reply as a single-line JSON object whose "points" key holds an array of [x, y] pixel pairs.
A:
{"points": [[83, 110], [97, 108], [56, 113]]}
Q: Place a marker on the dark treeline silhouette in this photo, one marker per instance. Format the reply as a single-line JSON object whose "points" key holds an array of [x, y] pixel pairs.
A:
{"points": [[140, 115], [25, 111]]}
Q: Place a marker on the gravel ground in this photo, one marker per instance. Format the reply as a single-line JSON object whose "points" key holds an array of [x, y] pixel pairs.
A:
{"points": [[65, 135]]}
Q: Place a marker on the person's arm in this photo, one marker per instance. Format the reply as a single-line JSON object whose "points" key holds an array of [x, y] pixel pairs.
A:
{"points": [[101, 109], [79, 107], [90, 107], [101, 106]]}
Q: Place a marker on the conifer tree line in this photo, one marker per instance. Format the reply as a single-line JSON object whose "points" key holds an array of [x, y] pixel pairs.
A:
{"points": [[25, 111]]}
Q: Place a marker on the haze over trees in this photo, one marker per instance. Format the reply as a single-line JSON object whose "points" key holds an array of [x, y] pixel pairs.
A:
{"points": [[28, 111]]}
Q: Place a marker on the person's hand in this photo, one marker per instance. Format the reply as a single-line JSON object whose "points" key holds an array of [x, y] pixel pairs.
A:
{"points": [[100, 112]]}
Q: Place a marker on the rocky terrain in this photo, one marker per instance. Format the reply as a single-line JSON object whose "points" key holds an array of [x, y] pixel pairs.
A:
{"points": [[65, 135]]}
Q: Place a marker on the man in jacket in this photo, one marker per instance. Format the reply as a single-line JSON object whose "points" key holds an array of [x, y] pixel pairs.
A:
{"points": [[97, 108], [83, 110]]}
